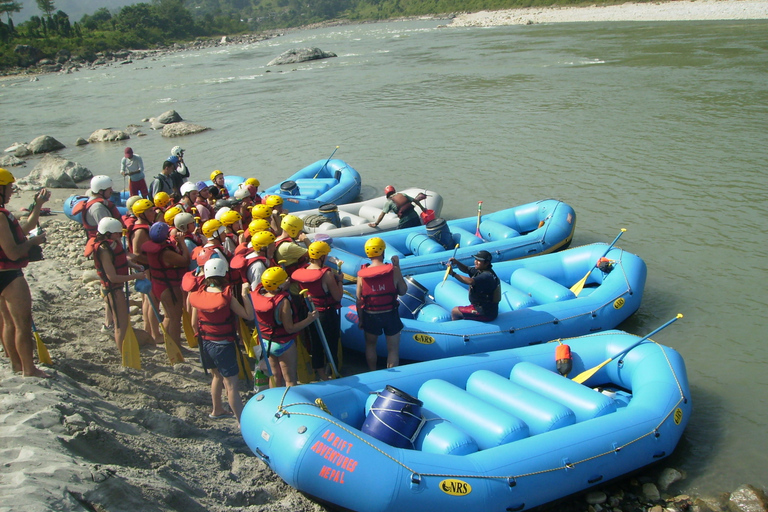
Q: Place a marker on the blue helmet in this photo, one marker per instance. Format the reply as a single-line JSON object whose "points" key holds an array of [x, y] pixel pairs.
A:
{"points": [[173, 159], [159, 231]]}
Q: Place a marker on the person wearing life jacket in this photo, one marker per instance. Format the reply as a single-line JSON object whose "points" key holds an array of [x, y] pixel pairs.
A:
{"points": [[378, 286], [146, 213], [168, 261], [259, 257], [217, 177], [214, 231], [484, 289], [275, 203], [325, 291], [184, 223], [189, 195], [129, 218], [279, 325], [244, 195], [15, 297], [402, 206], [98, 206], [253, 182], [214, 315], [233, 221], [163, 202], [204, 209], [291, 244], [112, 267]]}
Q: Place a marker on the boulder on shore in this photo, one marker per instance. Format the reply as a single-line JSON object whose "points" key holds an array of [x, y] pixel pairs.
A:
{"points": [[45, 144], [55, 172], [295, 55], [108, 135], [182, 128]]}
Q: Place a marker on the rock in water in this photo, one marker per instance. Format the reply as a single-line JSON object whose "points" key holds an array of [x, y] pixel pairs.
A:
{"points": [[182, 128], [108, 135], [45, 144], [300, 55]]}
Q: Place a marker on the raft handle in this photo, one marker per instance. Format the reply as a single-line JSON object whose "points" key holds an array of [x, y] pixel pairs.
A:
{"points": [[595, 479], [511, 482], [515, 508], [415, 478], [264, 457]]}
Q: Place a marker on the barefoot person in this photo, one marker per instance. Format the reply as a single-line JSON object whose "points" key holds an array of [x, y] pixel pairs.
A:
{"points": [[112, 267], [213, 316], [146, 213], [15, 298]]}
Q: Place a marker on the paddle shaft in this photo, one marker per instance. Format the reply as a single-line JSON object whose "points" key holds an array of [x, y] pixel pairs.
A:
{"points": [[479, 208], [321, 332], [448, 270], [326, 162], [580, 378], [576, 288]]}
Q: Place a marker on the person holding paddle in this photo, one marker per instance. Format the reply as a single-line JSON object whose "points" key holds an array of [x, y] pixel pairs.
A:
{"points": [[484, 289]]}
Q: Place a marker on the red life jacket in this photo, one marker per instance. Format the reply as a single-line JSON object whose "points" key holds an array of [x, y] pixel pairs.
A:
{"points": [[214, 316], [119, 260], [203, 205], [403, 204], [241, 263], [82, 207], [171, 276], [129, 221], [312, 279], [267, 314], [205, 252], [134, 231], [290, 269], [196, 239], [19, 237], [192, 281], [378, 288], [223, 192]]}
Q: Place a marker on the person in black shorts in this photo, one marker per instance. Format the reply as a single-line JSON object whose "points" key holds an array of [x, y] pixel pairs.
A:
{"points": [[484, 289], [378, 286]]}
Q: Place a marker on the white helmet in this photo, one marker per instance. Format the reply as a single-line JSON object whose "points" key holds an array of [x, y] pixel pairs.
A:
{"points": [[177, 151], [109, 225], [242, 192], [187, 188], [100, 182], [182, 220], [221, 211], [216, 267]]}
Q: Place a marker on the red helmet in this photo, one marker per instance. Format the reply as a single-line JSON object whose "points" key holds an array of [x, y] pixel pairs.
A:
{"points": [[389, 190]]}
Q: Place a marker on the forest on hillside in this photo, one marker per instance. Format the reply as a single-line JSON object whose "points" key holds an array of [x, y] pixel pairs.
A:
{"points": [[53, 35]]}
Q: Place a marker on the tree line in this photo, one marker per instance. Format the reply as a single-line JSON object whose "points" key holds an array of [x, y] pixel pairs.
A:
{"points": [[163, 22]]}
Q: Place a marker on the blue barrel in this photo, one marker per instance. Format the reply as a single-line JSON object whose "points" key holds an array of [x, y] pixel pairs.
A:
{"points": [[289, 188], [331, 212], [439, 231], [413, 300], [394, 418]]}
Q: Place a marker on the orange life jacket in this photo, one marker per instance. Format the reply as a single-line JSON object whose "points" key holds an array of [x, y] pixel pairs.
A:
{"points": [[268, 315], [378, 288], [312, 279], [19, 237], [119, 260], [83, 206], [215, 319], [242, 262], [157, 270]]}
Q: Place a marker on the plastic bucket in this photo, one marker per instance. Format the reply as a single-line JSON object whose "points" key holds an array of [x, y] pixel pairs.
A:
{"points": [[394, 418], [289, 188], [439, 231], [427, 216], [413, 300], [331, 212]]}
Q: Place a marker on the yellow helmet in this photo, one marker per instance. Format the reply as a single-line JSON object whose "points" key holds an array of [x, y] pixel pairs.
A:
{"points": [[261, 211], [171, 214], [212, 228], [257, 225], [231, 217], [292, 225], [162, 199], [273, 201], [216, 173], [273, 277], [375, 247], [318, 250], [261, 239], [253, 182], [6, 177], [141, 206]]}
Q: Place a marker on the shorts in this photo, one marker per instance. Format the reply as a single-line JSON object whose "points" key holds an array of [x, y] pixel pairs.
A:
{"points": [[9, 276], [472, 313], [389, 323], [220, 355], [277, 349]]}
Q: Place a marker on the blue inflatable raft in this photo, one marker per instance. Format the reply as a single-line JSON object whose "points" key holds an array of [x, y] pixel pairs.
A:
{"points": [[119, 198], [492, 431], [323, 182], [527, 230], [536, 305]]}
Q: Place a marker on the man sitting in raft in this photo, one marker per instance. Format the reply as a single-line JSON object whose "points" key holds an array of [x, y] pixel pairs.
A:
{"points": [[378, 285], [402, 206], [484, 289]]}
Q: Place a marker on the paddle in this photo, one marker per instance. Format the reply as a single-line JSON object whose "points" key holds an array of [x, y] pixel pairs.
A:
{"points": [[479, 207], [42, 350], [326, 162], [130, 352], [174, 354], [448, 270], [576, 288], [189, 332], [326, 348], [580, 378]]}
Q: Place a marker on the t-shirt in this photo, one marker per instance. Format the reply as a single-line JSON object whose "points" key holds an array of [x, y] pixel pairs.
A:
{"points": [[408, 217], [482, 291], [132, 167]]}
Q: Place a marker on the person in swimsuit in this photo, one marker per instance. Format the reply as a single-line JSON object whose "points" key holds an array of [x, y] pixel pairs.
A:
{"points": [[15, 297]]}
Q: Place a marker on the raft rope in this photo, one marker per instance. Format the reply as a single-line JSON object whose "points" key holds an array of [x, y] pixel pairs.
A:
{"points": [[282, 410]]}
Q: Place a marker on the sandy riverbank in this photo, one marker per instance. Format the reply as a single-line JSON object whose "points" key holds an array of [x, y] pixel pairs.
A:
{"points": [[657, 11]]}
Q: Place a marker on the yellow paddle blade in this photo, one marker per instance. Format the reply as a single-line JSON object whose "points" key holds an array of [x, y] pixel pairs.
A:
{"points": [[247, 337], [304, 366], [42, 351], [174, 354], [576, 288], [189, 332], [131, 357], [244, 369], [583, 376]]}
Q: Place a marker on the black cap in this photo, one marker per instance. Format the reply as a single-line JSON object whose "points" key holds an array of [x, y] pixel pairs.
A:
{"points": [[483, 256]]}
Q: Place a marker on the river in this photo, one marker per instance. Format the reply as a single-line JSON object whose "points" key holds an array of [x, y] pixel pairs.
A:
{"points": [[657, 127]]}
